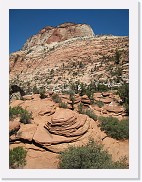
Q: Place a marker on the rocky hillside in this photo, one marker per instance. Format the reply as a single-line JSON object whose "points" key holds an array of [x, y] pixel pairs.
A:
{"points": [[68, 85], [58, 56]]}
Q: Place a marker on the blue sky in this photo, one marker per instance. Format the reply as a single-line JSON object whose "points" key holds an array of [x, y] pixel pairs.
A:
{"points": [[25, 23]]}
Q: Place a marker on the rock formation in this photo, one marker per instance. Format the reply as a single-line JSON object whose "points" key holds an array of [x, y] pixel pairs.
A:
{"points": [[57, 34], [54, 60]]}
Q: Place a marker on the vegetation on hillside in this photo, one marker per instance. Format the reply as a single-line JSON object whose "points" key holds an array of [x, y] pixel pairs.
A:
{"points": [[25, 116], [90, 156], [114, 128], [123, 92], [17, 157], [88, 112]]}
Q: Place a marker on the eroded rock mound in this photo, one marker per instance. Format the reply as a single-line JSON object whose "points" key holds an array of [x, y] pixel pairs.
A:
{"points": [[68, 124], [57, 34]]}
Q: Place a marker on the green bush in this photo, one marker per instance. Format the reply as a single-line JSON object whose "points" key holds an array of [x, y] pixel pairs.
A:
{"points": [[117, 57], [90, 156], [42, 93], [102, 88], [99, 103], [114, 128], [123, 92], [72, 98], [87, 112], [24, 115], [80, 108], [63, 105], [56, 98], [91, 114], [35, 90], [17, 157]]}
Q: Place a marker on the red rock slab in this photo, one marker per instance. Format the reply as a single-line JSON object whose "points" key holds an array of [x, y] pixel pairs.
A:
{"points": [[97, 95], [36, 97], [84, 97], [47, 110], [16, 103], [62, 123], [85, 101], [14, 124], [97, 108], [27, 97], [115, 109], [62, 115], [117, 149], [45, 138], [106, 100], [26, 132], [41, 160]]}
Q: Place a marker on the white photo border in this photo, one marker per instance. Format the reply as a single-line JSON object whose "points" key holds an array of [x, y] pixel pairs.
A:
{"points": [[133, 171]]}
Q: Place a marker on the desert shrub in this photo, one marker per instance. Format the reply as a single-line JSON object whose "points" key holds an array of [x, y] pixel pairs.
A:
{"points": [[63, 105], [89, 90], [88, 112], [91, 114], [12, 132], [114, 128], [56, 98], [42, 93], [80, 108], [24, 115], [90, 156], [99, 103], [102, 88], [35, 90], [123, 92], [72, 98], [17, 157], [29, 51], [51, 72], [81, 65], [117, 57]]}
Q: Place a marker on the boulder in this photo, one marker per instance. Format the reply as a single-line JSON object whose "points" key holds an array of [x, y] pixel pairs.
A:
{"points": [[14, 125], [15, 96], [26, 132]]}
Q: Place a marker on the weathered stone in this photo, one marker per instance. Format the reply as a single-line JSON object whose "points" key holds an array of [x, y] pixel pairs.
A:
{"points": [[27, 97], [14, 125], [85, 99], [115, 109], [106, 100], [15, 96], [26, 132], [105, 94], [97, 95]]}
